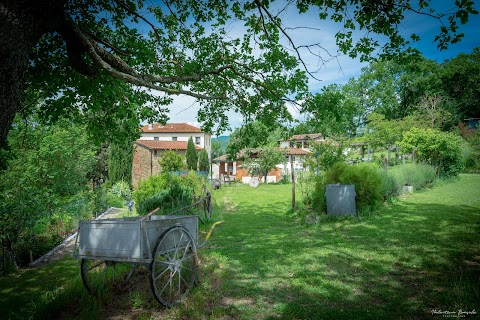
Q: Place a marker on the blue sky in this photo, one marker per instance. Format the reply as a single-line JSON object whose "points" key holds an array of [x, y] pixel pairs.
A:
{"points": [[343, 68]]}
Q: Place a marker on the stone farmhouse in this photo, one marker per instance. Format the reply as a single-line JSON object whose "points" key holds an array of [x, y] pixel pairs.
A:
{"points": [[156, 139]]}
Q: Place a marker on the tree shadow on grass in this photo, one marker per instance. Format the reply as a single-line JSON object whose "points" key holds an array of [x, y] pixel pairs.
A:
{"points": [[403, 263], [31, 285]]}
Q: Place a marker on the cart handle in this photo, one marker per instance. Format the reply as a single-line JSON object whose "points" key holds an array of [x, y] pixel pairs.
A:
{"points": [[150, 214], [209, 233]]}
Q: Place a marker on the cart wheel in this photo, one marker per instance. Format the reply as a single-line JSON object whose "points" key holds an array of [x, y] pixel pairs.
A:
{"points": [[96, 274], [173, 270]]}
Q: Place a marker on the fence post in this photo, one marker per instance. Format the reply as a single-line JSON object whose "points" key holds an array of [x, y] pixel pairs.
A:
{"points": [[208, 205], [293, 182]]}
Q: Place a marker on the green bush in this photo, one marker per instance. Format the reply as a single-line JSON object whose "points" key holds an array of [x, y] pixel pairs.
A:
{"points": [[203, 162], [196, 183], [390, 185], [150, 187], [366, 178], [439, 149], [324, 155], [471, 153], [166, 190], [175, 197], [191, 156], [114, 201], [417, 175], [98, 200], [317, 200], [121, 189], [171, 161]]}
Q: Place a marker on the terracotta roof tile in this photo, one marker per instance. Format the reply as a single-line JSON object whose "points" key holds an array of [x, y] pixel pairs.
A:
{"points": [[222, 158], [308, 136], [296, 151], [171, 128], [164, 145]]}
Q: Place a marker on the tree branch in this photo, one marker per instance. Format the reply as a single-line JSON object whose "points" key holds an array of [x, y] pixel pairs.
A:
{"points": [[136, 14], [134, 78], [282, 30]]}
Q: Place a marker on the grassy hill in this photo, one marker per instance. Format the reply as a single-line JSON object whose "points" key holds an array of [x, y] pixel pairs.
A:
{"points": [[222, 140]]}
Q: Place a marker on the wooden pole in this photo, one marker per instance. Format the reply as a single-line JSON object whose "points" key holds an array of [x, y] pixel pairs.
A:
{"points": [[293, 182]]}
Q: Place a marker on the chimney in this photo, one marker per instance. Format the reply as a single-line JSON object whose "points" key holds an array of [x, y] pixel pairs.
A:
{"points": [[150, 126]]}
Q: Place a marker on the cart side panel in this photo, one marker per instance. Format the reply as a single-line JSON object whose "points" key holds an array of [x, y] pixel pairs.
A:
{"points": [[119, 240], [157, 225]]}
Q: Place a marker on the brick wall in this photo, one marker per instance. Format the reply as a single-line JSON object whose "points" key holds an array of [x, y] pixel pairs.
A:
{"points": [[141, 168], [145, 163]]}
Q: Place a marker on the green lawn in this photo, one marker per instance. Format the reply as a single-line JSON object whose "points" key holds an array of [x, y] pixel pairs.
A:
{"points": [[419, 254]]}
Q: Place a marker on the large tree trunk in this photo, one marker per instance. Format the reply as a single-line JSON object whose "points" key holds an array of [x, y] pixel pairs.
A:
{"points": [[22, 23]]}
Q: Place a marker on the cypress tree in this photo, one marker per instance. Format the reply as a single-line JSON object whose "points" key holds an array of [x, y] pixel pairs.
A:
{"points": [[191, 155], [203, 163], [120, 157]]}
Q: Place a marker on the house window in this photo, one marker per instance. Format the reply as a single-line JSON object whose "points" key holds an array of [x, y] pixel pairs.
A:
{"points": [[154, 152], [174, 138], [197, 140], [155, 138]]}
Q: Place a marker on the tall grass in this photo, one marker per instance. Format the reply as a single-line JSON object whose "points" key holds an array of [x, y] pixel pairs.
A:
{"points": [[414, 174]]}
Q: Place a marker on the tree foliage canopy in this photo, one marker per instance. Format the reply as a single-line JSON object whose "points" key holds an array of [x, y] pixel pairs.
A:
{"points": [[440, 149], [171, 161], [389, 97], [97, 61], [263, 160]]}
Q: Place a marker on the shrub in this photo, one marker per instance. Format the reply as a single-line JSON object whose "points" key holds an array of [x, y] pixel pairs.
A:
{"points": [[417, 175], [114, 201], [196, 183], [324, 155], [439, 149], [471, 153], [98, 200], [175, 197], [151, 186], [171, 161], [317, 199], [390, 185], [121, 189], [166, 190], [366, 178]]}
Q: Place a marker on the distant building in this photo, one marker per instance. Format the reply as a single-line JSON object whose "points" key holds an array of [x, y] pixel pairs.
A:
{"points": [[296, 148], [177, 132], [156, 139], [302, 141]]}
